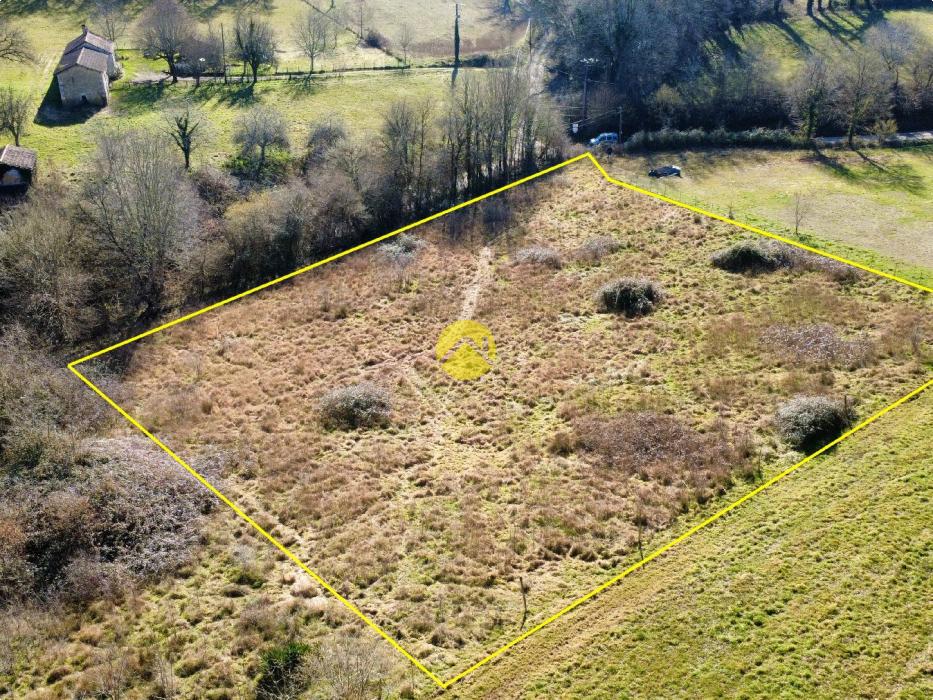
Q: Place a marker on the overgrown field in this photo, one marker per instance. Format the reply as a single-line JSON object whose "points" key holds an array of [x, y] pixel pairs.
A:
{"points": [[874, 205], [593, 431], [814, 589]]}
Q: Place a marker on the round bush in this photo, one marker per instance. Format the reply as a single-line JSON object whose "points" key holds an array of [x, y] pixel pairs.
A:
{"points": [[361, 405], [748, 257], [631, 296], [538, 255], [809, 422]]}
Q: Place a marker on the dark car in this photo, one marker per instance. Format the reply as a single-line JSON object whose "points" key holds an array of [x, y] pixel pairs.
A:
{"points": [[665, 171]]}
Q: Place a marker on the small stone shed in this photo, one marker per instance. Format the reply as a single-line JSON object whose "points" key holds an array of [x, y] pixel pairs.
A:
{"points": [[86, 68], [17, 169]]}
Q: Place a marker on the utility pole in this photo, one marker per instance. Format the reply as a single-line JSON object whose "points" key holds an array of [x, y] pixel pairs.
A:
{"points": [[620, 126], [587, 62], [223, 52], [456, 43]]}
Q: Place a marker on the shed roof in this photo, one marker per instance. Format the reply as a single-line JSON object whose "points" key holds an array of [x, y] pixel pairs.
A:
{"points": [[86, 58], [89, 39], [18, 157]]}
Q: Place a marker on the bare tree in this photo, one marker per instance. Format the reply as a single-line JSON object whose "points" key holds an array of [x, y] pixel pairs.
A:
{"points": [[186, 126], [14, 44], [362, 15], [254, 43], [164, 29], [406, 37], [406, 131], [164, 676], [862, 92], [310, 34], [896, 44], [202, 53], [801, 209], [142, 210], [351, 667], [16, 110], [112, 19], [810, 96], [920, 70], [261, 128]]}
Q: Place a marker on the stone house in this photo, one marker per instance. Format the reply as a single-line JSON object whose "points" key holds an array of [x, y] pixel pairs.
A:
{"points": [[87, 66]]}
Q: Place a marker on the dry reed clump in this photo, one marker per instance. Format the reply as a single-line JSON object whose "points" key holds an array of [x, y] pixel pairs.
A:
{"points": [[539, 256], [818, 344], [593, 250], [631, 296], [835, 270], [807, 423], [363, 405], [662, 449]]}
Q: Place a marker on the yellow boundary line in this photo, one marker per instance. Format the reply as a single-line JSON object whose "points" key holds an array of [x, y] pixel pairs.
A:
{"points": [[602, 587]]}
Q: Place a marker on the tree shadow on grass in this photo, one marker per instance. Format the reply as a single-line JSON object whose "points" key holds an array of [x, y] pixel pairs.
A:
{"points": [[873, 173], [302, 87], [231, 95], [793, 35]]}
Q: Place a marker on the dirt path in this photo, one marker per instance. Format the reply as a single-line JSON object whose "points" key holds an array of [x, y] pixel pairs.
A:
{"points": [[481, 279]]}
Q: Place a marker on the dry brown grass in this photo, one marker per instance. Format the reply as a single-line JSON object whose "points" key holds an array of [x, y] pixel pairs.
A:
{"points": [[428, 522]]}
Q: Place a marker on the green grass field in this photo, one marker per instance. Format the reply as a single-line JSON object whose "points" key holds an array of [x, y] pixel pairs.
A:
{"points": [[358, 98], [874, 207], [790, 41]]}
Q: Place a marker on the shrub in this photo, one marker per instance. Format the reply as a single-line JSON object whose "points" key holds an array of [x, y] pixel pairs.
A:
{"points": [[217, 188], [631, 296], [281, 673], [495, 215], [538, 255], [669, 139], [402, 249], [749, 257], [809, 422], [595, 249], [271, 169], [322, 137], [361, 405], [818, 344], [376, 40]]}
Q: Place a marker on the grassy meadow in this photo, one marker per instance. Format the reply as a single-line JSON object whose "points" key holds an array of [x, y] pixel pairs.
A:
{"points": [[64, 141], [472, 486], [872, 206]]}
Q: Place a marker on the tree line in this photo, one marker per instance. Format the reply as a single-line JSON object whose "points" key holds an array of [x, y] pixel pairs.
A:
{"points": [[675, 65]]}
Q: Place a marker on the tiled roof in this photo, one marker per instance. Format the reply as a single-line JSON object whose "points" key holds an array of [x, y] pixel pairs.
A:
{"points": [[90, 40], [17, 157], [87, 58]]}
